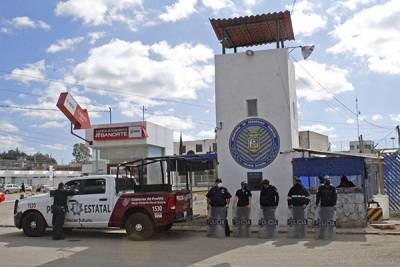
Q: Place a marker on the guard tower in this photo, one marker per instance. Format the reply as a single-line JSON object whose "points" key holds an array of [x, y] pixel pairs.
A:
{"points": [[256, 105]]}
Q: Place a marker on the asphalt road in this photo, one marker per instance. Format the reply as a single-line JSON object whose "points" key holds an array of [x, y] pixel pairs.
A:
{"points": [[178, 248]]}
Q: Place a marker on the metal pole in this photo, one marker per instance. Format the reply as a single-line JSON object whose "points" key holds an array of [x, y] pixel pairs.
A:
{"points": [[109, 110], [143, 114], [398, 135]]}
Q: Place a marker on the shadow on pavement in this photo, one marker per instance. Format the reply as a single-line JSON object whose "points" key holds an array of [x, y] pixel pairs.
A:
{"points": [[174, 248]]}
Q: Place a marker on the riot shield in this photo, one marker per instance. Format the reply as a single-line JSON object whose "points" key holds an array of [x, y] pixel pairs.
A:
{"points": [[216, 221], [241, 222], [267, 223], [326, 223], [297, 222]]}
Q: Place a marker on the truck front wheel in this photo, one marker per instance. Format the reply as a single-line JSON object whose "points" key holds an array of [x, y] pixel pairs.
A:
{"points": [[139, 227], [33, 224]]}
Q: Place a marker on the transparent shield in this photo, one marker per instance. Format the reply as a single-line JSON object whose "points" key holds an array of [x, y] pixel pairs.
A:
{"points": [[326, 223], [297, 222], [267, 223], [241, 222], [216, 221]]}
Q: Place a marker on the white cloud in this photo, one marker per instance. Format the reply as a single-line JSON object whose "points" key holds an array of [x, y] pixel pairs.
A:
{"points": [[185, 137], [172, 122], [8, 127], [51, 124], [54, 146], [206, 134], [395, 117], [217, 5], [31, 72], [4, 30], [135, 73], [307, 18], [332, 78], [350, 121], [372, 34], [10, 142], [353, 4], [377, 117], [179, 10], [99, 12], [64, 44], [94, 36], [26, 22], [319, 128]]}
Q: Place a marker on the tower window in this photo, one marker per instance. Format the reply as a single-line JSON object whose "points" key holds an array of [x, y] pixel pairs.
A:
{"points": [[252, 108]]}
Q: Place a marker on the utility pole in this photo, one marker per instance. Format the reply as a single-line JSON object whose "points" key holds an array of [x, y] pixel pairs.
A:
{"points": [[357, 116], [143, 114], [109, 110], [392, 138], [398, 135]]}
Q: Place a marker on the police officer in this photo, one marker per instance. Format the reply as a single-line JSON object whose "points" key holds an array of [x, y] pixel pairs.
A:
{"points": [[269, 196], [243, 196], [59, 208], [298, 195], [219, 196], [326, 195]]}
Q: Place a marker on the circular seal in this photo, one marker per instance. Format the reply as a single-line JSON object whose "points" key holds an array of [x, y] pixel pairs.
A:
{"points": [[254, 143]]}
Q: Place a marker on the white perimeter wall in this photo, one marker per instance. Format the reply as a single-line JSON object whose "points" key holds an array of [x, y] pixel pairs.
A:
{"points": [[269, 77]]}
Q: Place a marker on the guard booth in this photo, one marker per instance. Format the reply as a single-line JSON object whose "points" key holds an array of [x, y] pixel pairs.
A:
{"points": [[353, 196]]}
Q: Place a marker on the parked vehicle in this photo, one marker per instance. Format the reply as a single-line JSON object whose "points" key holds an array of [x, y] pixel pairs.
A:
{"points": [[140, 199], [11, 188]]}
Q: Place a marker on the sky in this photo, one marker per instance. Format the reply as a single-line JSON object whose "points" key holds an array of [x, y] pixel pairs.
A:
{"points": [[126, 54]]}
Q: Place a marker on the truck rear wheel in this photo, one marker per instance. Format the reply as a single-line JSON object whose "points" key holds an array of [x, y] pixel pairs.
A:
{"points": [[139, 227], [33, 224]]}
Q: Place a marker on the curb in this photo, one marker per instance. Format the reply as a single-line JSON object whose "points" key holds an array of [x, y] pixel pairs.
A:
{"points": [[203, 230]]}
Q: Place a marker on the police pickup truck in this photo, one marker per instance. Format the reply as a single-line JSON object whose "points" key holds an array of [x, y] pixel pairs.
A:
{"points": [[130, 200]]}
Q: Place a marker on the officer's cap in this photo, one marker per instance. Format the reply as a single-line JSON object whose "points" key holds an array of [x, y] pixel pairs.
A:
{"points": [[218, 180]]}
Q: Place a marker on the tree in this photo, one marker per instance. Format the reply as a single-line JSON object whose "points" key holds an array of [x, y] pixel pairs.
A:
{"points": [[81, 153]]}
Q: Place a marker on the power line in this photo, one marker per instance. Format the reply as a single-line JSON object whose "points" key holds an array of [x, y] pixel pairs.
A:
{"points": [[293, 4], [44, 109], [103, 89], [337, 99]]}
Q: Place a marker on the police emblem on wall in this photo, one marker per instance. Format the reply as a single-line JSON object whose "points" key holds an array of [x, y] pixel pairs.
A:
{"points": [[254, 143]]}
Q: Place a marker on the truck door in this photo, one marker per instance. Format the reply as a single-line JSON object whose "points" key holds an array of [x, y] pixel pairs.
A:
{"points": [[96, 203], [74, 208]]}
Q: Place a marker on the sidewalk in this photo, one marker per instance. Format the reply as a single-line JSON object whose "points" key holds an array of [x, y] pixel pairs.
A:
{"points": [[199, 225]]}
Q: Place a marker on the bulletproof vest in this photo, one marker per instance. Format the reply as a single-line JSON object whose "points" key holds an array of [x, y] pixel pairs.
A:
{"points": [[327, 195], [218, 197], [267, 197], [60, 198]]}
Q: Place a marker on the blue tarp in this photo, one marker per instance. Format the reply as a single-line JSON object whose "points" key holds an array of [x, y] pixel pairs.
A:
{"points": [[332, 166]]}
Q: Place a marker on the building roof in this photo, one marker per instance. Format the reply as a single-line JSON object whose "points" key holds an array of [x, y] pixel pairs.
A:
{"points": [[254, 30], [338, 154]]}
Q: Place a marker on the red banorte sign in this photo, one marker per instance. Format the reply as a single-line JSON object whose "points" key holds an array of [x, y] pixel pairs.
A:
{"points": [[119, 133], [71, 109]]}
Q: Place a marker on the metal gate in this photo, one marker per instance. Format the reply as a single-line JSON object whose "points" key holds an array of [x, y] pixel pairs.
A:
{"points": [[391, 167]]}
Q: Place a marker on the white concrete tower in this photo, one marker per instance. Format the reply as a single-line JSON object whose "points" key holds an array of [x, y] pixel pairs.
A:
{"points": [[256, 114]]}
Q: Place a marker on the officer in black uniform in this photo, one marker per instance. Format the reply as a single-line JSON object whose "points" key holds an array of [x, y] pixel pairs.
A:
{"points": [[326, 195], [59, 208], [269, 196], [243, 196], [219, 196], [298, 195]]}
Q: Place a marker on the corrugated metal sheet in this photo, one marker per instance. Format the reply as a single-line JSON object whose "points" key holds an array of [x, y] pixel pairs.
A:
{"points": [[253, 30], [391, 167], [332, 166]]}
